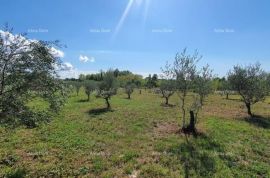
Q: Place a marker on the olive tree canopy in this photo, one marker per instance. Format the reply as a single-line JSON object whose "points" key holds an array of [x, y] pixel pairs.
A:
{"points": [[108, 87], [250, 82], [89, 87], [28, 69], [129, 89]]}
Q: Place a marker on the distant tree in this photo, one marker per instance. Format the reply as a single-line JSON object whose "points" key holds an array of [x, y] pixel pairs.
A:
{"points": [[28, 70], [226, 88], [167, 88], [250, 82], [130, 79], [125, 72], [70, 79], [77, 86], [129, 89], [217, 83], [82, 77], [116, 73], [202, 83], [151, 81], [148, 83], [154, 80], [108, 87], [89, 87]]}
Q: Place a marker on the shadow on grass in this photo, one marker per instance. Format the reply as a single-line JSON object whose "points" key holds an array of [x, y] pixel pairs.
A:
{"points": [[167, 105], [232, 99], [99, 111], [196, 156], [259, 121], [83, 100]]}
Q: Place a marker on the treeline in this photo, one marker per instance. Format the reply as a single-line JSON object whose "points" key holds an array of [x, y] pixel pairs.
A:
{"points": [[155, 82], [124, 77]]}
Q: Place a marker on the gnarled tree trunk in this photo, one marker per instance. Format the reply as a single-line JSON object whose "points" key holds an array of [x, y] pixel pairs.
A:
{"points": [[191, 127], [248, 105], [192, 122], [108, 103], [167, 100]]}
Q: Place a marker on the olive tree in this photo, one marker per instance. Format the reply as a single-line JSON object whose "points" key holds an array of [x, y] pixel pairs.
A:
{"points": [[189, 78], [202, 83], [77, 86], [89, 87], [250, 82], [129, 89], [227, 89], [108, 87], [28, 69], [167, 88], [184, 71]]}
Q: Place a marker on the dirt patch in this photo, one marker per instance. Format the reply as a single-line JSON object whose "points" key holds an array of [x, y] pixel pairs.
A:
{"points": [[219, 111], [153, 157], [167, 128]]}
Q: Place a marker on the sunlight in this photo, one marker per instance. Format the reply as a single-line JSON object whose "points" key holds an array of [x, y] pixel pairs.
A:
{"points": [[138, 2], [126, 12], [123, 18]]}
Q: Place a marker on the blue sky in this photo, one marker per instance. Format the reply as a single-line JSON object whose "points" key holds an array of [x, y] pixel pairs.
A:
{"points": [[141, 35]]}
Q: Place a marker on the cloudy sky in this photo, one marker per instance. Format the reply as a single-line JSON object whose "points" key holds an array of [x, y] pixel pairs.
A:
{"points": [[141, 35]]}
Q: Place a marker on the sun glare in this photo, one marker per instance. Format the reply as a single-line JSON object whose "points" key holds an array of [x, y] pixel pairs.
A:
{"points": [[131, 3]]}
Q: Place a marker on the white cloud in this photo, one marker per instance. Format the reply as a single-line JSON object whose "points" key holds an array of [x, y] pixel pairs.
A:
{"points": [[83, 58], [57, 53], [66, 66], [86, 59]]}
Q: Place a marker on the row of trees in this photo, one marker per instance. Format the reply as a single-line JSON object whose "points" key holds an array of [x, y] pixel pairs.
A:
{"points": [[105, 88], [184, 77], [187, 80], [124, 77], [99, 76]]}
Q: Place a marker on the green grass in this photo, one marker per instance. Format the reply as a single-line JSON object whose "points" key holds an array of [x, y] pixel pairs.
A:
{"points": [[139, 138]]}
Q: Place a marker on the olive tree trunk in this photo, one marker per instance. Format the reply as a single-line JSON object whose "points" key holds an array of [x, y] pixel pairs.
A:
{"points": [[167, 100], [248, 105], [108, 103], [192, 122]]}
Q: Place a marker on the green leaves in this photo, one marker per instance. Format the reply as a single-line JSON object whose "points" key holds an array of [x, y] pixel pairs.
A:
{"points": [[250, 82], [28, 70]]}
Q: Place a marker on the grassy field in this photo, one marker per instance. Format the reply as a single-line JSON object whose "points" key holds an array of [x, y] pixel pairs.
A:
{"points": [[139, 139]]}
